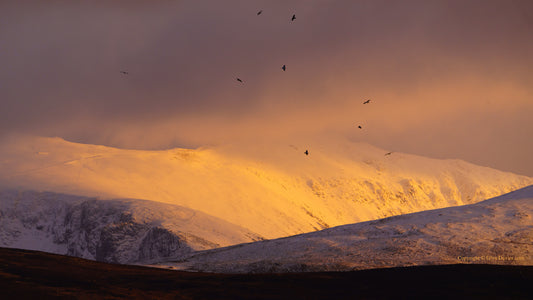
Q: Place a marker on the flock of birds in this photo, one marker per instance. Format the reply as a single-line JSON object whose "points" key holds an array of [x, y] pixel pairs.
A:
{"points": [[358, 126], [284, 68]]}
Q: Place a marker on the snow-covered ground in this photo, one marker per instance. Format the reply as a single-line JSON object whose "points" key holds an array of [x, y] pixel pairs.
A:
{"points": [[117, 230], [496, 231], [273, 190]]}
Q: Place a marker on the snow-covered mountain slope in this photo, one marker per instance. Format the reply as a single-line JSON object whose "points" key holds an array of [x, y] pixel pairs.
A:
{"points": [[496, 231], [119, 230], [274, 189]]}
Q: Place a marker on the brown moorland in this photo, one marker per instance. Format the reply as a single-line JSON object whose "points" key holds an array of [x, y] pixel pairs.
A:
{"points": [[28, 274]]}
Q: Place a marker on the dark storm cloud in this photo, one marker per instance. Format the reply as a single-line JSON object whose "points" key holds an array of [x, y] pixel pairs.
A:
{"points": [[423, 61]]}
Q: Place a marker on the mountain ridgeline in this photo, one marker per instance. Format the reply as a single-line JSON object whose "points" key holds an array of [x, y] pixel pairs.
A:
{"points": [[495, 231], [118, 231], [214, 197]]}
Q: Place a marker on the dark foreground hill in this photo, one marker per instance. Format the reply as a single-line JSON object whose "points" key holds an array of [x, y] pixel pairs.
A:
{"points": [[29, 274]]}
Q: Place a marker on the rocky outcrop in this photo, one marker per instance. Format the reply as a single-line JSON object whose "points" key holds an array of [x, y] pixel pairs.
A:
{"points": [[105, 230]]}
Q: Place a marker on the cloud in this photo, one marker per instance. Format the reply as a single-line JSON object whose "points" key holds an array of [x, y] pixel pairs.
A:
{"points": [[424, 64]]}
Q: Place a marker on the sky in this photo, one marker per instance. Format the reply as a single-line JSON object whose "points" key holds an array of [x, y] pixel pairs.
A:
{"points": [[446, 79]]}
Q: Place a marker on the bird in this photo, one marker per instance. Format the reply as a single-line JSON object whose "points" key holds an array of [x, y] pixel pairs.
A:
{"points": [[239, 80], [306, 152], [124, 72], [283, 68], [259, 12], [293, 18], [359, 127], [367, 101], [388, 153]]}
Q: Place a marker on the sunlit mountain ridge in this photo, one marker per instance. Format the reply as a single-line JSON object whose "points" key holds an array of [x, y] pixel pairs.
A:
{"points": [[273, 190], [494, 231]]}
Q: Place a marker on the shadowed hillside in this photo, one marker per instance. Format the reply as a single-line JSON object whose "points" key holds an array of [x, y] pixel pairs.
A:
{"points": [[29, 274]]}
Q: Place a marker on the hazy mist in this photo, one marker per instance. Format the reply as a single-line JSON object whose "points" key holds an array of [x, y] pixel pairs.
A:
{"points": [[446, 79]]}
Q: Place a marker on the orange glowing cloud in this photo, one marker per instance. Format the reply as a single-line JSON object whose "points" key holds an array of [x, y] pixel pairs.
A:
{"points": [[446, 78]]}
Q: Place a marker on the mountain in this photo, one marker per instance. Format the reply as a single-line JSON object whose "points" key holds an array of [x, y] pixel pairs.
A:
{"points": [[495, 231], [273, 190], [116, 230]]}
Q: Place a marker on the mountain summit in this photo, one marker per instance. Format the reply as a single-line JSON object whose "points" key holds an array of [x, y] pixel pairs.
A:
{"points": [[271, 190]]}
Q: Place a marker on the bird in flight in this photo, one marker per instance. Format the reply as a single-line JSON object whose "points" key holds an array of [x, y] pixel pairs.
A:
{"points": [[124, 72], [283, 68], [239, 80], [367, 101], [293, 18], [259, 12], [306, 152]]}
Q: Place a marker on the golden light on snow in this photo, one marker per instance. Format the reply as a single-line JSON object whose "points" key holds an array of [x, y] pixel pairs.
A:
{"points": [[273, 191], [139, 132]]}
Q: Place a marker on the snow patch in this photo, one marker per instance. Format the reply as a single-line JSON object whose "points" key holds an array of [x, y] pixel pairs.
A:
{"points": [[495, 231], [118, 230]]}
